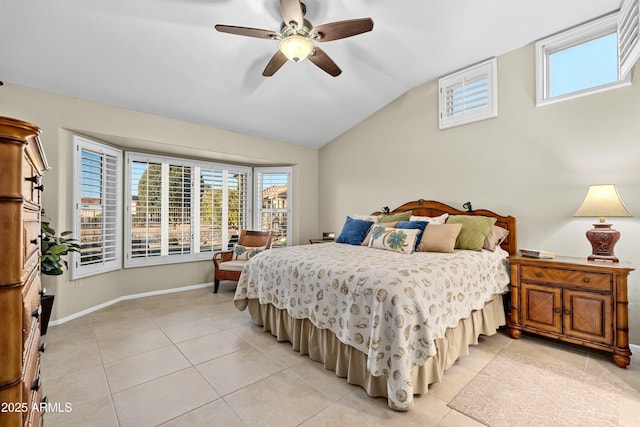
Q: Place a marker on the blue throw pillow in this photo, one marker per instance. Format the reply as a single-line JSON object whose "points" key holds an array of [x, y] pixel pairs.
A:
{"points": [[354, 231], [413, 225]]}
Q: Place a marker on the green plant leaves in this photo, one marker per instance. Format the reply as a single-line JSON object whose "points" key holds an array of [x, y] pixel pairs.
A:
{"points": [[53, 248]]}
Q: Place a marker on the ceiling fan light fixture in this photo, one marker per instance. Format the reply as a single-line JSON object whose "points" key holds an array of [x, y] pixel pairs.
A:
{"points": [[295, 47]]}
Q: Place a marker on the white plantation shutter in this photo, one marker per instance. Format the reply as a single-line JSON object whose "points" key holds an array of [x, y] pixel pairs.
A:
{"points": [[210, 209], [97, 195], [273, 203], [179, 191], [469, 95], [238, 211], [628, 36], [181, 210], [145, 201]]}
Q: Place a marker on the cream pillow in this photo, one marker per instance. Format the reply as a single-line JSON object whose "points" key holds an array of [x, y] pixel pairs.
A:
{"points": [[367, 238], [246, 252], [495, 238], [432, 219], [439, 238], [393, 239]]}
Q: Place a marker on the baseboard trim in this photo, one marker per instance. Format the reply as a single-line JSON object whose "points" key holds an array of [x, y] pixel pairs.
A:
{"points": [[635, 349], [124, 298]]}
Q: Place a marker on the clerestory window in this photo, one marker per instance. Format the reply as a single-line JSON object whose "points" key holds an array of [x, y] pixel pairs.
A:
{"points": [[590, 58]]}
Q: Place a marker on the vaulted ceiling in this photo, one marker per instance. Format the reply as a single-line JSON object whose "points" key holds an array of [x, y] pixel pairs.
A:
{"points": [[164, 56]]}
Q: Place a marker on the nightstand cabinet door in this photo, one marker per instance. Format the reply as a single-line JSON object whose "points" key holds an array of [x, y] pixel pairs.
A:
{"points": [[588, 316], [542, 307]]}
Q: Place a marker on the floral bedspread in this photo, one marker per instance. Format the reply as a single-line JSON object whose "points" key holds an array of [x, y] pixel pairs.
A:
{"points": [[389, 306]]}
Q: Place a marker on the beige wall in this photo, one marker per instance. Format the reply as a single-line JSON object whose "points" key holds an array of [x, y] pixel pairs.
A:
{"points": [[58, 116], [534, 163]]}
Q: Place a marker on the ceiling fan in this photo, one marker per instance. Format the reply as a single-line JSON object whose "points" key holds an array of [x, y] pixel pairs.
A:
{"points": [[297, 35]]}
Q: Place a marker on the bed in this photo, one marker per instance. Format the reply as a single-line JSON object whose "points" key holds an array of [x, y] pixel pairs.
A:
{"points": [[389, 322]]}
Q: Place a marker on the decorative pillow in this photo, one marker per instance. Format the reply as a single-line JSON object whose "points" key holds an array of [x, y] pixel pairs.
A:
{"points": [[353, 231], [439, 238], [246, 252], [474, 230], [367, 239], [393, 239], [431, 219], [402, 216], [495, 237], [366, 217], [413, 225]]}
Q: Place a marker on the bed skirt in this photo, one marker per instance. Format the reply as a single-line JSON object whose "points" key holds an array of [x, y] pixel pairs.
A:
{"points": [[322, 346]]}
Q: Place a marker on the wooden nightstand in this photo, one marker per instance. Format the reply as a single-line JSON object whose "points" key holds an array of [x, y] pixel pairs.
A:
{"points": [[314, 241], [573, 300]]}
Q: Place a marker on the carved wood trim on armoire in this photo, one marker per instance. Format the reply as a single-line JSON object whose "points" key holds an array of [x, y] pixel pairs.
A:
{"points": [[22, 163]]}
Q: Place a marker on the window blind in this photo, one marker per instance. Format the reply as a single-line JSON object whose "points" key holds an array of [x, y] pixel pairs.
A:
{"points": [[628, 36], [469, 95], [182, 210], [97, 195]]}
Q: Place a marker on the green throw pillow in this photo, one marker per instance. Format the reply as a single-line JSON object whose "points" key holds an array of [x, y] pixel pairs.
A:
{"points": [[474, 230], [402, 216]]}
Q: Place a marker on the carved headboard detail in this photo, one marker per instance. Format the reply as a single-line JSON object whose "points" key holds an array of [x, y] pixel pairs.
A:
{"points": [[432, 208]]}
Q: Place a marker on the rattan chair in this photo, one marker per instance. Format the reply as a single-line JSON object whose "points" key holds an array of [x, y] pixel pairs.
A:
{"points": [[226, 268]]}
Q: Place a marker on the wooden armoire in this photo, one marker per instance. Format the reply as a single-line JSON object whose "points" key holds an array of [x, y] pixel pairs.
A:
{"points": [[22, 163]]}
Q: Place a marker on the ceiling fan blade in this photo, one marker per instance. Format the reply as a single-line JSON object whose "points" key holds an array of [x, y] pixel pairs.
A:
{"points": [[342, 29], [322, 60], [291, 11], [277, 61], [249, 32]]}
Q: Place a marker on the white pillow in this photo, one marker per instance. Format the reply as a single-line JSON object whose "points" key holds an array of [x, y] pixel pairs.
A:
{"points": [[393, 239], [366, 217], [432, 219]]}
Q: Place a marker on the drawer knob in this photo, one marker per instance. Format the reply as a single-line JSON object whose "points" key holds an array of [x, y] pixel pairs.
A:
{"points": [[39, 187], [33, 179], [35, 385], [557, 310], [585, 280], [567, 312], [539, 274], [36, 312], [42, 347]]}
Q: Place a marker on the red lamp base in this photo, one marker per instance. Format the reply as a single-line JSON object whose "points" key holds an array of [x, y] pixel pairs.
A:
{"points": [[603, 239]]}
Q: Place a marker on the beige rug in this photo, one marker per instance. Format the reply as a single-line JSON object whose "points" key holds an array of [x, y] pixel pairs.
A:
{"points": [[535, 393]]}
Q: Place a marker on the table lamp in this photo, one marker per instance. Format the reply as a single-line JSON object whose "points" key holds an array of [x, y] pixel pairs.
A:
{"points": [[602, 201]]}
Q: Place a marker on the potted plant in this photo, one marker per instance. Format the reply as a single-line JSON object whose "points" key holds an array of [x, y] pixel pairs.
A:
{"points": [[53, 249]]}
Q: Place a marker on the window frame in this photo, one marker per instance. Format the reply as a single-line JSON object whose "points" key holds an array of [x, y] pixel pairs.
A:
{"points": [[81, 143], [258, 173], [488, 68], [196, 166], [568, 39]]}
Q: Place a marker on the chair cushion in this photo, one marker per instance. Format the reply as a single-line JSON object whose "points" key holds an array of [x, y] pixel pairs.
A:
{"points": [[235, 265]]}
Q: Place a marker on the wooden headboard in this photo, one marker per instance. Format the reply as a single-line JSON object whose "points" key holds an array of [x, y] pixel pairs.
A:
{"points": [[432, 208]]}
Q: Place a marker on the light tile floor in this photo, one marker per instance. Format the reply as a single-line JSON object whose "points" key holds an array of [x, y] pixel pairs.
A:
{"points": [[191, 359]]}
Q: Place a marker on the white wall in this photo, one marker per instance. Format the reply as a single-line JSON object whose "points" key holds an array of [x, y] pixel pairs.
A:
{"points": [[534, 163], [58, 116]]}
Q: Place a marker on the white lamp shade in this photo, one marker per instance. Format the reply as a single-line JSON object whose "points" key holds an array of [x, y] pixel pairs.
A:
{"points": [[296, 48], [602, 201]]}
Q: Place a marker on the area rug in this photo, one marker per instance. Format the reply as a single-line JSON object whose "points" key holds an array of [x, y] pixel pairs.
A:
{"points": [[517, 390]]}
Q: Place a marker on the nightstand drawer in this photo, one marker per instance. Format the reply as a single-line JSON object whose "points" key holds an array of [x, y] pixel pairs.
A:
{"points": [[558, 276]]}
